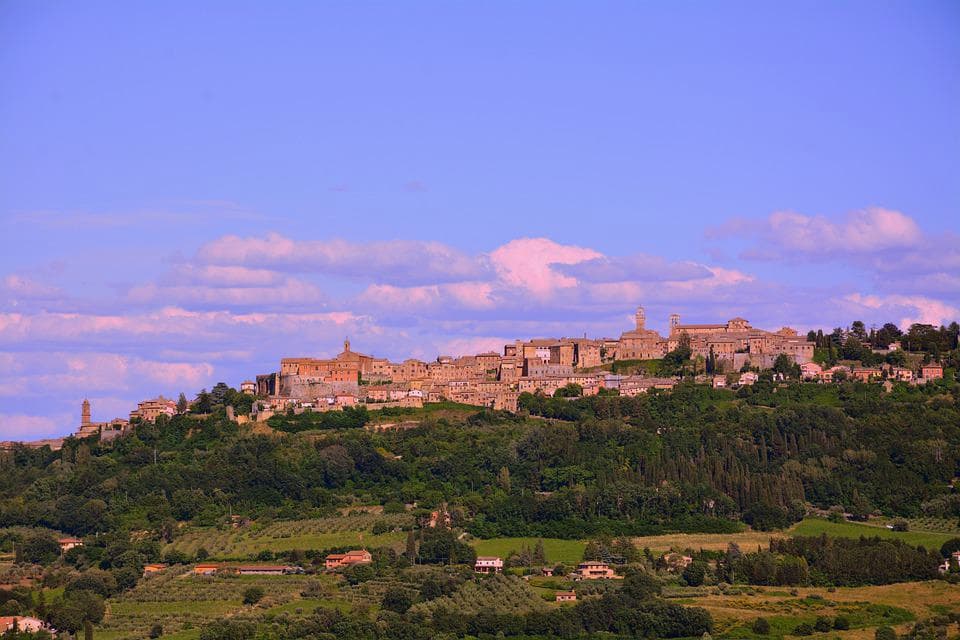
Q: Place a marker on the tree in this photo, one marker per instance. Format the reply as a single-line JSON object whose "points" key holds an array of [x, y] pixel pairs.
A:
{"points": [[571, 390], [38, 549], [503, 478], [396, 599], [203, 403], [182, 404], [792, 570], [761, 626], [411, 551], [640, 586], [252, 595], [948, 547], [695, 573], [784, 366]]}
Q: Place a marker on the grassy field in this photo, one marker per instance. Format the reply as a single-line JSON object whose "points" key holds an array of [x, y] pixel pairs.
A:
{"points": [[568, 552], [750, 540], [816, 526], [865, 607], [746, 540]]}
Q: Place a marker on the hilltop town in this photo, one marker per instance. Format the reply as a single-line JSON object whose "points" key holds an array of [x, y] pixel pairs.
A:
{"points": [[727, 354]]}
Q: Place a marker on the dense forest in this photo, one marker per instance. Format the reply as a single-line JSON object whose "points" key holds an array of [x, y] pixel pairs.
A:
{"points": [[691, 459], [694, 459]]}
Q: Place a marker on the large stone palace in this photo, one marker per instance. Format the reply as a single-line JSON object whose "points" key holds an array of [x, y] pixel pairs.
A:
{"points": [[734, 342]]}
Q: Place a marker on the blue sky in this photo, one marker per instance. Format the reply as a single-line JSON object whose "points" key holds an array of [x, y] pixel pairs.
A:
{"points": [[189, 191]]}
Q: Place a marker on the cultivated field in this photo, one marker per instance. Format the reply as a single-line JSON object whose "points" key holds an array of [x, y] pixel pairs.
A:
{"points": [[568, 552], [750, 540], [182, 601], [320, 533], [865, 607], [816, 526]]}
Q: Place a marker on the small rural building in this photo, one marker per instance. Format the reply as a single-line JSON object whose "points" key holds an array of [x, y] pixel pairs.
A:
{"points": [[69, 543], [150, 569], [488, 564], [339, 560], [676, 561], [593, 570], [27, 624], [566, 596], [206, 569], [931, 371]]}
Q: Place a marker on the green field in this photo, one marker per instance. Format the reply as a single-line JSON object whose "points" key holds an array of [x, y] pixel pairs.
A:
{"points": [[568, 552], [318, 533], [817, 526]]}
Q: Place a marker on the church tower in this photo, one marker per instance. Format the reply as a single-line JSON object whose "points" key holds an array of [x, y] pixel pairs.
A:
{"points": [[85, 413], [641, 319], [346, 345], [674, 321]]}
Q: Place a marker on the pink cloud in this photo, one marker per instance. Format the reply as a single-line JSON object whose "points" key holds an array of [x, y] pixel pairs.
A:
{"points": [[526, 264], [27, 427], [914, 309]]}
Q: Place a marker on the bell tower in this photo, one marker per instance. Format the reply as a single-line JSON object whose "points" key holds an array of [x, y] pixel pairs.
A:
{"points": [[641, 317], [85, 413], [674, 321], [346, 345]]}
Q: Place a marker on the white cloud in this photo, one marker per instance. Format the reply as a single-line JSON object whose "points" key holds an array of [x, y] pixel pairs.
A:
{"points": [[401, 262], [786, 234]]}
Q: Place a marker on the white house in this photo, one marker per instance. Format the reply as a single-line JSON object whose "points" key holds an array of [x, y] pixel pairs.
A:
{"points": [[488, 564]]}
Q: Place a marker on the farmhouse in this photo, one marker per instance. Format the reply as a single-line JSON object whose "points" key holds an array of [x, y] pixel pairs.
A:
{"points": [[931, 371], [25, 624], [593, 570], [566, 596], [205, 569], [150, 569], [69, 543], [488, 564], [357, 556], [676, 561]]}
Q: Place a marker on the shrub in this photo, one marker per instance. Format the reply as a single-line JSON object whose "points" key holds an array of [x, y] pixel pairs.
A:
{"points": [[841, 623], [803, 629], [885, 633], [252, 595], [761, 626], [156, 631], [823, 624]]}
